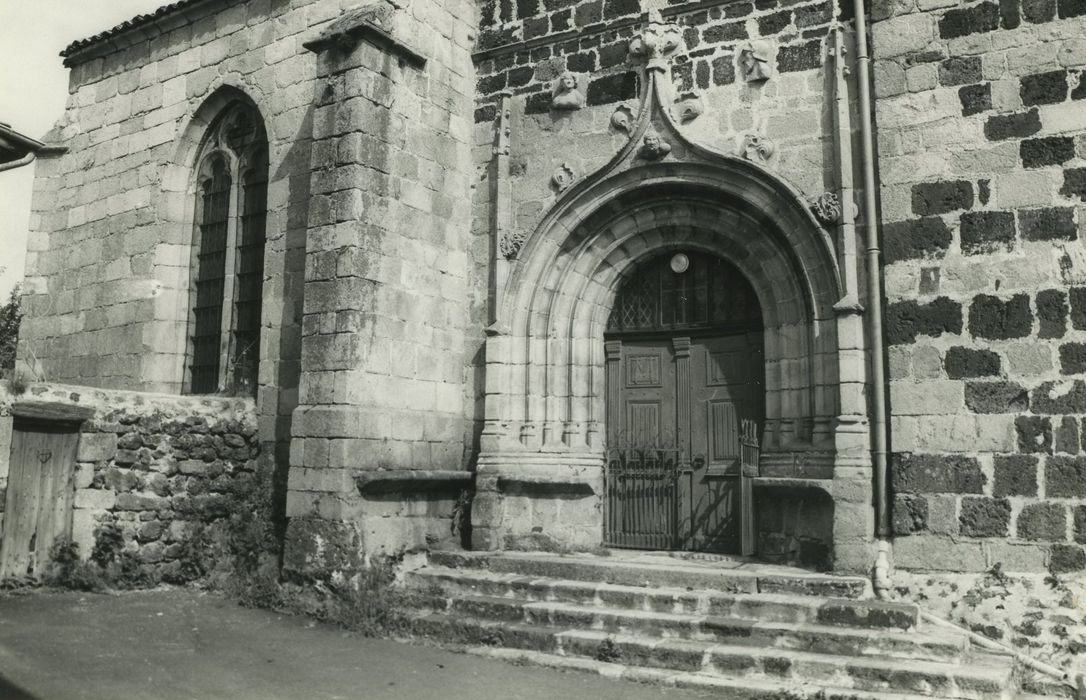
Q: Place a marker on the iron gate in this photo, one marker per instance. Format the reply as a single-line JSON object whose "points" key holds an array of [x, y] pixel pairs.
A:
{"points": [[643, 497], [647, 495]]}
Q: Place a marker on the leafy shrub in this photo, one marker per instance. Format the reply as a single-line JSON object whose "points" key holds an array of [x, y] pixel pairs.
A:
{"points": [[66, 569]]}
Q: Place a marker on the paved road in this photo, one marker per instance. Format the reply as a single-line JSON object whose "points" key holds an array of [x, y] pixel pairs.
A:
{"points": [[186, 644]]}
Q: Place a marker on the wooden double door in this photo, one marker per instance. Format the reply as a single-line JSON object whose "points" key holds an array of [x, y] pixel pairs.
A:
{"points": [[683, 417]]}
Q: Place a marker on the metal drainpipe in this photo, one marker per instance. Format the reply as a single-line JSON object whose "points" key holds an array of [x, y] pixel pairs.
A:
{"points": [[874, 306], [25, 160]]}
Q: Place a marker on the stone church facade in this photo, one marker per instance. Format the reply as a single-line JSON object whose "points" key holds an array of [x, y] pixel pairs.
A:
{"points": [[536, 253]]}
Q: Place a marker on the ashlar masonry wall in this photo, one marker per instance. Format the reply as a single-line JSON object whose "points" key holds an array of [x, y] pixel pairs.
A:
{"points": [[982, 140], [386, 389]]}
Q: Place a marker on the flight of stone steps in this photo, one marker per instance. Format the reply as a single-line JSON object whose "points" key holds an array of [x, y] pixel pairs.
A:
{"points": [[747, 631]]}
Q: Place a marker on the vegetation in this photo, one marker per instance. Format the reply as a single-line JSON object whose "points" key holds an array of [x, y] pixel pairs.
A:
{"points": [[10, 318]]}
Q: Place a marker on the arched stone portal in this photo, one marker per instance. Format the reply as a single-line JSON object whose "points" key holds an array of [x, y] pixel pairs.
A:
{"points": [[540, 470]]}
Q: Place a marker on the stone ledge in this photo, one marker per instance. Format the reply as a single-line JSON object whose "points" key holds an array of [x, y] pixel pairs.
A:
{"points": [[402, 480], [549, 483], [772, 482]]}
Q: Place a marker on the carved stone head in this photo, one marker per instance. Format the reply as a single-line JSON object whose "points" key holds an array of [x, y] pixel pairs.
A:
{"points": [[564, 93], [755, 60], [653, 147]]}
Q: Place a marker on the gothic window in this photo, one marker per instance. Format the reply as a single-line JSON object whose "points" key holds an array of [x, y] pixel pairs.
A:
{"points": [[706, 293], [228, 260]]}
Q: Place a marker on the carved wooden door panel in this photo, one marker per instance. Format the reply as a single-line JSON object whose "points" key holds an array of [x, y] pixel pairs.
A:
{"points": [[726, 381], [38, 507], [647, 403]]}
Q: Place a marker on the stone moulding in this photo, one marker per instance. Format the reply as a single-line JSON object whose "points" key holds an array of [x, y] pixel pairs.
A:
{"points": [[411, 480], [371, 23]]}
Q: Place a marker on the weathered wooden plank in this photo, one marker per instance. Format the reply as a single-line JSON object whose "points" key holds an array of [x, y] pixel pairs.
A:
{"points": [[22, 505], [51, 411]]}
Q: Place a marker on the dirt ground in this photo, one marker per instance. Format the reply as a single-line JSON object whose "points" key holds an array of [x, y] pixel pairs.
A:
{"points": [[187, 644]]}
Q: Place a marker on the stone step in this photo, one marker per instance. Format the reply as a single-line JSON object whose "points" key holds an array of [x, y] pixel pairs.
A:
{"points": [[663, 572], [983, 678], [715, 628], [730, 688], [768, 607]]}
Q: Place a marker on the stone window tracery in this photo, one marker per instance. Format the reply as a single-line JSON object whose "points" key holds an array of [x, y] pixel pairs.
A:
{"points": [[228, 257]]}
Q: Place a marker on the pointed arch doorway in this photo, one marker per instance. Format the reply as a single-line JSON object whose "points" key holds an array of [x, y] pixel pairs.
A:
{"points": [[685, 399]]}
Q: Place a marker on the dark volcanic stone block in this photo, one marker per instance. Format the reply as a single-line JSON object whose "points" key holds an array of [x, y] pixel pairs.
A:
{"points": [[965, 363], [961, 22], [538, 103], [1042, 521], [1070, 8], [619, 8], [941, 197], [774, 23], [1037, 11], [930, 473], [1066, 438], [1079, 513], [985, 517], [1034, 434], [1077, 296], [1015, 475], [1074, 183], [987, 231], [1066, 558], [910, 514], [996, 397], [1079, 93], [1052, 313], [1009, 14], [1043, 88], [731, 31], [682, 75], [797, 57], [975, 98], [905, 320], [918, 238], [1055, 398], [1050, 150], [612, 88], [723, 70], [1073, 358], [959, 70], [1010, 126], [1065, 477], [993, 318]]}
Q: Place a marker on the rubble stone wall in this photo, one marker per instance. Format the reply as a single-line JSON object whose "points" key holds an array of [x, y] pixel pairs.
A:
{"points": [[169, 473], [982, 142]]}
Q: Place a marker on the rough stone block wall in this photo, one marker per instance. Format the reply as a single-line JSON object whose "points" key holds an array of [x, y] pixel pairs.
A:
{"points": [[167, 472], [982, 142]]}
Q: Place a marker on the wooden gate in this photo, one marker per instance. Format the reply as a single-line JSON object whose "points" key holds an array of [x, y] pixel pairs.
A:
{"points": [[38, 508]]}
